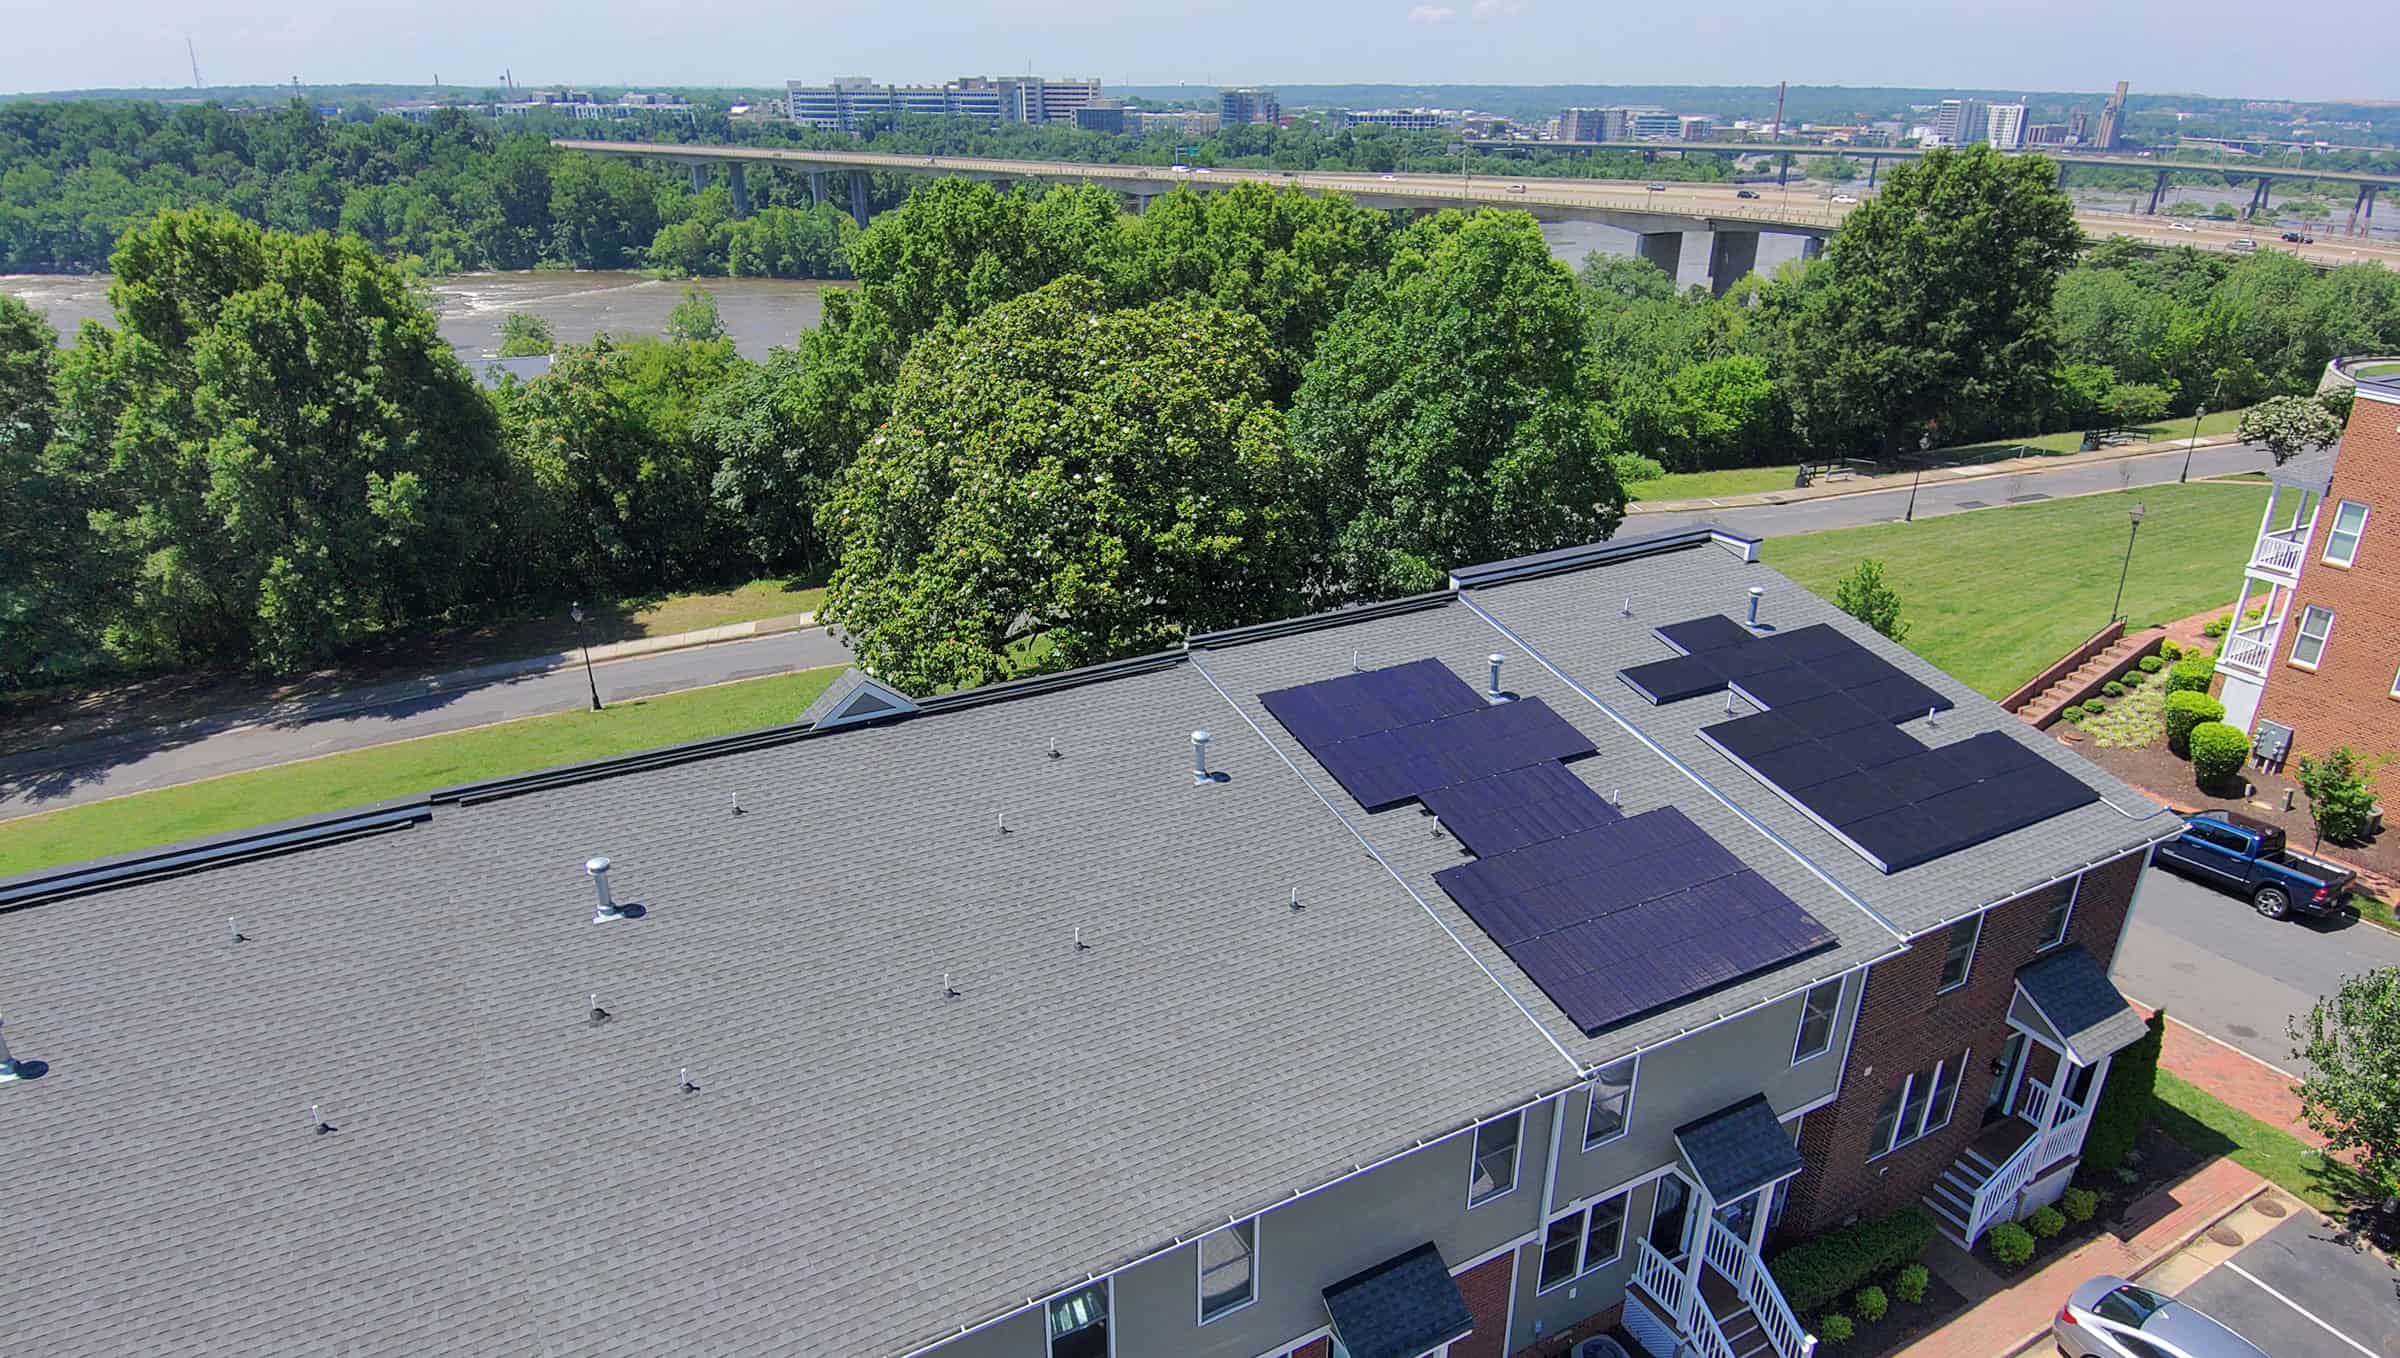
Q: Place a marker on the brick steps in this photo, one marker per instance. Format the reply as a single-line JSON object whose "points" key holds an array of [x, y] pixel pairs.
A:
{"points": [[2086, 679]]}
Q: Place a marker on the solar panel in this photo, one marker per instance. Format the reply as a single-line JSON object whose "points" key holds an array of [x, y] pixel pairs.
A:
{"points": [[1334, 710], [1510, 810], [1779, 669], [1669, 681], [1694, 635]]}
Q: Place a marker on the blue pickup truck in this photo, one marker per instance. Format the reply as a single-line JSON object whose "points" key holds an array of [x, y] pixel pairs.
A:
{"points": [[2248, 856]]}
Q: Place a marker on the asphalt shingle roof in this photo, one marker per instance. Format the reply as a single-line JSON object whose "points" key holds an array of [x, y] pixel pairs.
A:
{"points": [[2073, 991], [1740, 1148], [1404, 1307]]}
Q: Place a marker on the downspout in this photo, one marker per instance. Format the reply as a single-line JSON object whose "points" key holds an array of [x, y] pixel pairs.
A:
{"points": [[1541, 1229]]}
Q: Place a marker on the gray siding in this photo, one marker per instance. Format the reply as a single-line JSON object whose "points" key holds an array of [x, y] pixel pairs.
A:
{"points": [[1019, 1336], [1546, 1313]]}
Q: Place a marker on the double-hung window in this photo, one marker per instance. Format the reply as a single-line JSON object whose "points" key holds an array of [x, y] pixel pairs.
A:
{"points": [[1495, 1168], [1577, 1242], [1228, 1269], [2341, 541], [1817, 1014], [2054, 923], [1079, 1324], [1920, 1106], [2308, 648], [1958, 953], [1611, 1110]]}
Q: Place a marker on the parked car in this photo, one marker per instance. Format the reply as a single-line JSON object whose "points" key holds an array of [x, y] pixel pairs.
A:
{"points": [[2243, 243], [2249, 857], [2109, 1317], [1745, 193]]}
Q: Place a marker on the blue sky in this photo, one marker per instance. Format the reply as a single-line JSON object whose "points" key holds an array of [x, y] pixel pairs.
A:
{"points": [[2211, 46]]}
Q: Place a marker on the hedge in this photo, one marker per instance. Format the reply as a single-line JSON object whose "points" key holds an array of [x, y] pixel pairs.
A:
{"points": [[2191, 674], [2124, 1101], [2218, 752], [2186, 709], [2152, 664], [1816, 1273]]}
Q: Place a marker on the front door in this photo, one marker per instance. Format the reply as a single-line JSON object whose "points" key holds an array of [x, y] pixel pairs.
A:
{"points": [[1670, 1217], [2012, 1061]]}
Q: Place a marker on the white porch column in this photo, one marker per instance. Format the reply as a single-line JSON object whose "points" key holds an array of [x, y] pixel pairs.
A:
{"points": [[1758, 1219], [1698, 1227]]}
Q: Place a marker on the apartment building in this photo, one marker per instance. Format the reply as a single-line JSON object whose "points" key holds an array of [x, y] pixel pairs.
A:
{"points": [[1459, 975], [2319, 664], [854, 102], [1404, 119], [1235, 107], [2004, 126], [1959, 122]]}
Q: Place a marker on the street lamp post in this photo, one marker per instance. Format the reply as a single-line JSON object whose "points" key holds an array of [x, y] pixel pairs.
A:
{"points": [[2135, 516], [1924, 445], [575, 611], [2191, 443]]}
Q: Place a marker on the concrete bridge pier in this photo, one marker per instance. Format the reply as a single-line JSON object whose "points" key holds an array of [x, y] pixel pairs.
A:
{"points": [[858, 197], [2158, 190], [1731, 256], [2258, 198], [1138, 202], [2362, 212], [817, 192], [1783, 170], [699, 169], [2062, 174], [1874, 165], [741, 189], [1811, 247], [1662, 248]]}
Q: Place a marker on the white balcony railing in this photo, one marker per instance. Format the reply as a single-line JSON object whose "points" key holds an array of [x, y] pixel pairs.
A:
{"points": [[2251, 648], [2280, 551]]}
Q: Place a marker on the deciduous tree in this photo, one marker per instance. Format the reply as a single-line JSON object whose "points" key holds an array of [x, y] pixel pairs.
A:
{"points": [[2349, 1043], [2289, 426]]}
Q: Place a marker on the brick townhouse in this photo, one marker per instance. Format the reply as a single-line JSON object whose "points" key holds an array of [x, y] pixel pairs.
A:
{"points": [[2320, 666], [1456, 977]]}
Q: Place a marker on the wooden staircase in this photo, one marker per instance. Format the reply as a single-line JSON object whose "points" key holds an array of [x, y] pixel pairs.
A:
{"points": [[1952, 1197], [2084, 680], [1734, 1318]]}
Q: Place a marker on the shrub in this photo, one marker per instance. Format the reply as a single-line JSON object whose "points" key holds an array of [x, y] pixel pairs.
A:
{"points": [[1633, 468], [2046, 1222], [2218, 752], [2217, 627], [1833, 1327], [2072, 714], [2128, 1176], [1871, 1303], [2169, 652], [2080, 1205], [2123, 1103], [2339, 800], [2113, 689], [2185, 710], [1816, 1273], [1910, 1283], [2191, 674], [2133, 679], [2151, 664], [2011, 1244], [2093, 707]]}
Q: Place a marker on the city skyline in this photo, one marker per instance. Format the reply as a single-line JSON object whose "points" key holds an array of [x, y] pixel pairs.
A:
{"points": [[2214, 50]]}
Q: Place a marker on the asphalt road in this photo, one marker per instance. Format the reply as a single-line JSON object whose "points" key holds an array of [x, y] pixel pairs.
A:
{"points": [[2211, 961], [2303, 1290], [46, 780]]}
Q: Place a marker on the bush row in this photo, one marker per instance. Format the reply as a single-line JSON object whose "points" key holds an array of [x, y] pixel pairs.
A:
{"points": [[1815, 1273]]}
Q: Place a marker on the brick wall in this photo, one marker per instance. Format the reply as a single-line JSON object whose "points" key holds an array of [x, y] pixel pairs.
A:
{"points": [[1314, 1348], [2347, 698], [1553, 1345], [1905, 1027], [1487, 1288]]}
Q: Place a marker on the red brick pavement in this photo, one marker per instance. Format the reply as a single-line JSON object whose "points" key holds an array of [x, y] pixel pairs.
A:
{"points": [[2234, 1077]]}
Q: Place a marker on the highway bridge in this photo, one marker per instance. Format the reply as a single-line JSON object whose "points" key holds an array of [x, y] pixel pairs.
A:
{"points": [[1727, 224]]}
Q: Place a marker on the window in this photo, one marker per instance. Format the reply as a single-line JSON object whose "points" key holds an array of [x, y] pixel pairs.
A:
{"points": [[1921, 1105], [1079, 1324], [2308, 648], [2079, 1085], [2054, 924], [1612, 1102], [1495, 1168], [2396, 683], [1959, 953], [1887, 1122], [1816, 1020], [1582, 1240], [1912, 1109], [1945, 1095], [2341, 544], [1228, 1269]]}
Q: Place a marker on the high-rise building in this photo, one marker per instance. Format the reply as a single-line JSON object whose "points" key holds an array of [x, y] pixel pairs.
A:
{"points": [[1248, 106], [2112, 118], [1109, 115], [2078, 123], [852, 102], [1960, 122], [2004, 126], [1646, 123], [1591, 124], [1695, 127], [2045, 134]]}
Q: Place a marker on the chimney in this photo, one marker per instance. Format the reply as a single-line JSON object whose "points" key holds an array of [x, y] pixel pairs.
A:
{"points": [[8, 1063], [608, 908], [1756, 594], [1495, 693], [1200, 757]]}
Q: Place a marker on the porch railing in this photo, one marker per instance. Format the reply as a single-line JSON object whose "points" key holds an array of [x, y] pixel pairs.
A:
{"points": [[1998, 1196], [2251, 648], [1732, 1256], [2065, 1136], [2059, 1126], [2281, 550], [1659, 1276]]}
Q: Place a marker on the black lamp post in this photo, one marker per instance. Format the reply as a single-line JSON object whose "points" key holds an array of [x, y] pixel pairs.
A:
{"points": [[1924, 445], [2191, 443], [2135, 515], [575, 611]]}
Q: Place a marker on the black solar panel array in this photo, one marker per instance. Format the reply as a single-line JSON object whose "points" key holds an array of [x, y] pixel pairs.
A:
{"points": [[1610, 916], [1778, 667]]}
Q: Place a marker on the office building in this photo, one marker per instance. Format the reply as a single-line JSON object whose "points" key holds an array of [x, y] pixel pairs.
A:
{"points": [[1037, 1022], [853, 102], [2078, 124], [1248, 106], [1960, 122], [2112, 120], [1181, 122], [1108, 115], [2046, 134], [1653, 124], [1695, 127], [1591, 124], [2004, 126], [1403, 119]]}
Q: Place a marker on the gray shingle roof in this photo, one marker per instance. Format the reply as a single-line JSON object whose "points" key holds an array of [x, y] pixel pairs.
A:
{"points": [[2073, 991], [1738, 1149], [1404, 1307], [860, 1150]]}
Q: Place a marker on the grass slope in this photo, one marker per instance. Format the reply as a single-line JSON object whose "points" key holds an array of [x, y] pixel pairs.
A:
{"points": [[2211, 1127], [1994, 595], [403, 768]]}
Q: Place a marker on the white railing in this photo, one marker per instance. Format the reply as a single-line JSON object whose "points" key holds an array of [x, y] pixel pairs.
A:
{"points": [[1732, 1256], [2033, 1104], [1707, 1339], [2281, 550], [2065, 1137], [1659, 1277], [1998, 1196], [2251, 648]]}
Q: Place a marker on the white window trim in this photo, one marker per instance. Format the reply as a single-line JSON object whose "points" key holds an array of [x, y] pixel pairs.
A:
{"points": [[2066, 923], [2357, 535], [1633, 1089], [1901, 1112], [1926, 1126], [1952, 1111], [1840, 993], [1516, 1160], [1200, 1273], [1690, 1196], [1974, 945], [1108, 1293], [1582, 1216], [2300, 634], [2396, 683]]}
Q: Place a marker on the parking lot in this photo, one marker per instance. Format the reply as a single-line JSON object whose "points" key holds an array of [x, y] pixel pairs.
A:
{"points": [[2300, 1290]]}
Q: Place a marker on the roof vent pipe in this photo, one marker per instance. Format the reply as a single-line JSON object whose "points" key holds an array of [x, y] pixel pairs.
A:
{"points": [[1756, 593], [1494, 692], [608, 908], [1200, 757], [8, 1063]]}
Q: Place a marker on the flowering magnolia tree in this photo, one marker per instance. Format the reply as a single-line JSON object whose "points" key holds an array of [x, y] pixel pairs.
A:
{"points": [[2289, 425]]}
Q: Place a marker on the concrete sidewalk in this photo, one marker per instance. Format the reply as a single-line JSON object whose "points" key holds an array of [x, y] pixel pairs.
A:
{"points": [[1824, 489]]}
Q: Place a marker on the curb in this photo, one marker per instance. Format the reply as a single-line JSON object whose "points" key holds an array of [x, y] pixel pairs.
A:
{"points": [[2160, 1256], [1758, 500]]}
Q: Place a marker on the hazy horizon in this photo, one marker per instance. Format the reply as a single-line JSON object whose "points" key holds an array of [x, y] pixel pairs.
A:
{"points": [[2208, 48]]}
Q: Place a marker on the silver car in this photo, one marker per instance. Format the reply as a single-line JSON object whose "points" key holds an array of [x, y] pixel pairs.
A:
{"points": [[2109, 1317]]}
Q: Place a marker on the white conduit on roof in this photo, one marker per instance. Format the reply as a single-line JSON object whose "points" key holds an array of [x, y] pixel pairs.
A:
{"points": [[1685, 769], [1374, 853]]}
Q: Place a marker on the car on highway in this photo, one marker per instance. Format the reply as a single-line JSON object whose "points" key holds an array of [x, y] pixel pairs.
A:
{"points": [[2179, 226], [2243, 243], [1844, 198], [2299, 238], [1391, 176], [1658, 188], [1516, 188], [1180, 169], [1745, 193], [2109, 1317], [2249, 857]]}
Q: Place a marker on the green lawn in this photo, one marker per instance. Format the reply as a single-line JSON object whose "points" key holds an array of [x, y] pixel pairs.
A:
{"points": [[1995, 595], [2203, 1124], [2067, 441], [1702, 485], [2378, 370], [401, 769]]}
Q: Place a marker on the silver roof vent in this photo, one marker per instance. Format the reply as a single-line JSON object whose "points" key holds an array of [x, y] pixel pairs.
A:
{"points": [[1200, 773], [1495, 693], [8, 1063], [1756, 593], [608, 908]]}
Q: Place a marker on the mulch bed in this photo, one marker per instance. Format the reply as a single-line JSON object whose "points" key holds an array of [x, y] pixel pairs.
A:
{"points": [[1903, 1324], [2125, 1208]]}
